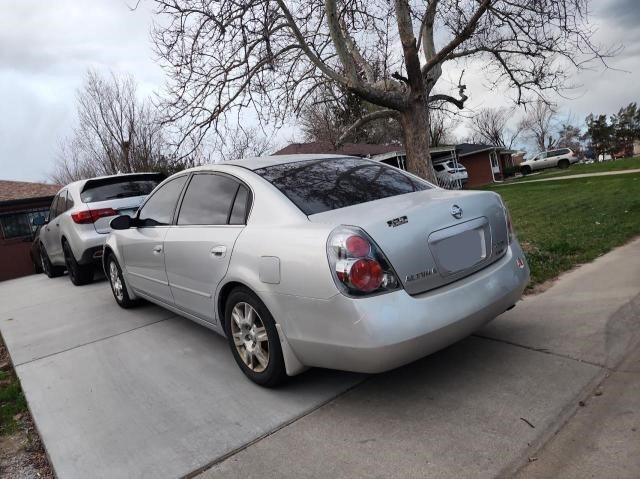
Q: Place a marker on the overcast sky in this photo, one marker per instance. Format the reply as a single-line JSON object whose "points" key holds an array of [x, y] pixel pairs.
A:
{"points": [[47, 46]]}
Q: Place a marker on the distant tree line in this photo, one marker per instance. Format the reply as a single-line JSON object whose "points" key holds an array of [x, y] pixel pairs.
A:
{"points": [[616, 134]]}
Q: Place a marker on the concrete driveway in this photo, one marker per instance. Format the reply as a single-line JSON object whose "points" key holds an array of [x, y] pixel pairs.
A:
{"points": [[143, 393]]}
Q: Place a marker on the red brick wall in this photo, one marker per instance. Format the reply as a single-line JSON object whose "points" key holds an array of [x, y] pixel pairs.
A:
{"points": [[14, 259], [478, 167]]}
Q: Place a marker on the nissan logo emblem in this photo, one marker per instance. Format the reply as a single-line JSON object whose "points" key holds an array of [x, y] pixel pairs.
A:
{"points": [[456, 212]]}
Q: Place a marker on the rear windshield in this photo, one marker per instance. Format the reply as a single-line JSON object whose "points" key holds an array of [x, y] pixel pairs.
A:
{"points": [[113, 188], [316, 186]]}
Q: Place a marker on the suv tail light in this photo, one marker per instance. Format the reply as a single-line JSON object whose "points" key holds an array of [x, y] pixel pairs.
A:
{"points": [[357, 265], [91, 216]]}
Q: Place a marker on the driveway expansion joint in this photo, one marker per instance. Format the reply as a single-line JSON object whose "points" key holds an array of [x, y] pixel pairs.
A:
{"points": [[543, 351], [93, 341]]}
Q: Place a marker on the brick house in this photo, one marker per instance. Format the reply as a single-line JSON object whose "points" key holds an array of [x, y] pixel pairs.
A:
{"points": [[20, 203], [484, 163]]}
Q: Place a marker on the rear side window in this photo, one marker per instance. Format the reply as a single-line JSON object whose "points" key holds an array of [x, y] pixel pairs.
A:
{"points": [[315, 186], [114, 188], [240, 207], [438, 167], [158, 210], [208, 200]]}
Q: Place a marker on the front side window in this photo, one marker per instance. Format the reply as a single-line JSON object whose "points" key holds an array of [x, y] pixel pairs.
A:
{"points": [[159, 209], [208, 200], [315, 186], [438, 167]]}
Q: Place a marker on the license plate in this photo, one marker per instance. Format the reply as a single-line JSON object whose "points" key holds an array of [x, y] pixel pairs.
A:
{"points": [[461, 251]]}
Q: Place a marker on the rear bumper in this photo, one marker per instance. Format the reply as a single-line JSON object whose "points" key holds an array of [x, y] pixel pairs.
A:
{"points": [[86, 244], [383, 332]]}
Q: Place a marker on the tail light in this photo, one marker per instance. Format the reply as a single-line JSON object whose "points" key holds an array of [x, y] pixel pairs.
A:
{"points": [[91, 216], [357, 264], [510, 231]]}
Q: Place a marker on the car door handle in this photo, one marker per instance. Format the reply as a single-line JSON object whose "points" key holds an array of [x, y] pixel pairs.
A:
{"points": [[219, 251], [157, 249]]}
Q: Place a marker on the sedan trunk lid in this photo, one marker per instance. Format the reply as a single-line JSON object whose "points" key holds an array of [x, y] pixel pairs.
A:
{"points": [[432, 237]]}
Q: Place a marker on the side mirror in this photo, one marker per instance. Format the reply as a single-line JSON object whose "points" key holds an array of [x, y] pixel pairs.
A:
{"points": [[122, 222], [39, 221]]}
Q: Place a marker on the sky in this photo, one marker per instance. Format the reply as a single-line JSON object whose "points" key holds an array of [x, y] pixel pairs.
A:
{"points": [[46, 48]]}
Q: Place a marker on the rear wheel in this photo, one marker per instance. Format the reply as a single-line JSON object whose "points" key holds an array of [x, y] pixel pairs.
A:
{"points": [[526, 170], [49, 269], [79, 274], [563, 164], [253, 338], [118, 286]]}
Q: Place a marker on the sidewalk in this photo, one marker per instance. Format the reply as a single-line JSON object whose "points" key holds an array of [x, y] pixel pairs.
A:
{"points": [[603, 438], [568, 177]]}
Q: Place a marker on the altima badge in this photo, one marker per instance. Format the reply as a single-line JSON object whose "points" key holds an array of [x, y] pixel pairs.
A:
{"points": [[456, 212]]}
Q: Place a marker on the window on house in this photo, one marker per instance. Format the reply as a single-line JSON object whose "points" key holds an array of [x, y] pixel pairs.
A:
{"points": [[15, 225]]}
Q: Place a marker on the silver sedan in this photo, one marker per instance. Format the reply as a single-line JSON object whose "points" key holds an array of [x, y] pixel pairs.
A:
{"points": [[319, 261]]}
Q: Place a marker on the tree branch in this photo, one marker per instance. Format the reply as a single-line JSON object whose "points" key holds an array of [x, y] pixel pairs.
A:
{"points": [[464, 34], [376, 115]]}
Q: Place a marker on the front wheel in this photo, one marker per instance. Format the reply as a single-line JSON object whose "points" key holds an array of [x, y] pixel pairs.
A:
{"points": [[118, 286], [253, 338], [526, 170], [47, 267]]}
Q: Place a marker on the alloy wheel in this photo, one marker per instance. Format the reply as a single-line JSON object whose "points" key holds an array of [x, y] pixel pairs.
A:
{"points": [[116, 282], [250, 337]]}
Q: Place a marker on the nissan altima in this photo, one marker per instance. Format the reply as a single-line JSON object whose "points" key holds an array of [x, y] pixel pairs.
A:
{"points": [[319, 261]]}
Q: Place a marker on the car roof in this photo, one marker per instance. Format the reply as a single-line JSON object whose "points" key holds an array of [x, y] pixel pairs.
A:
{"points": [[258, 162], [80, 183]]}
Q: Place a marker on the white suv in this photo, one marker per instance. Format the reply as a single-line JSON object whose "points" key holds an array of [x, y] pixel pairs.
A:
{"points": [[560, 158], [78, 224], [450, 172]]}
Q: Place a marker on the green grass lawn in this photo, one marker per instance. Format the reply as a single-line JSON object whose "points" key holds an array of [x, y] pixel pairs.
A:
{"points": [[564, 223], [12, 400], [580, 169]]}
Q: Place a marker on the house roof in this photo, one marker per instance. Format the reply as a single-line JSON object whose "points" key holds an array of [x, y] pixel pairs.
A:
{"points": [[471, 148], [22, 190], [351, 149]]}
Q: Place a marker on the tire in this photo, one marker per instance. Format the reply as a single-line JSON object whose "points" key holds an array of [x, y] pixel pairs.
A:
{"points": [[79, 274], [526, 170], [37, 264], [47, 268], [259, 359], [118, 286], [563, 164]]}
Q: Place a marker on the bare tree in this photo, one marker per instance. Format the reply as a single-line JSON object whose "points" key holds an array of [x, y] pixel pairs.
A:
{"points": [[245, 143], [495, 126], [441, 127], [116, 132], [540, 125], [272, 55], [331, 113]]}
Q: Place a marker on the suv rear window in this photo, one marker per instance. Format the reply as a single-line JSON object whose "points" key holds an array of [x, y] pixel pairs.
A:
{"points": [[316, 186], [103, 189]]}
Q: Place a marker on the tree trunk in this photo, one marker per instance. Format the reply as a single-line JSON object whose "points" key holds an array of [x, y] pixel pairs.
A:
{"points": [[415, 128]]}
